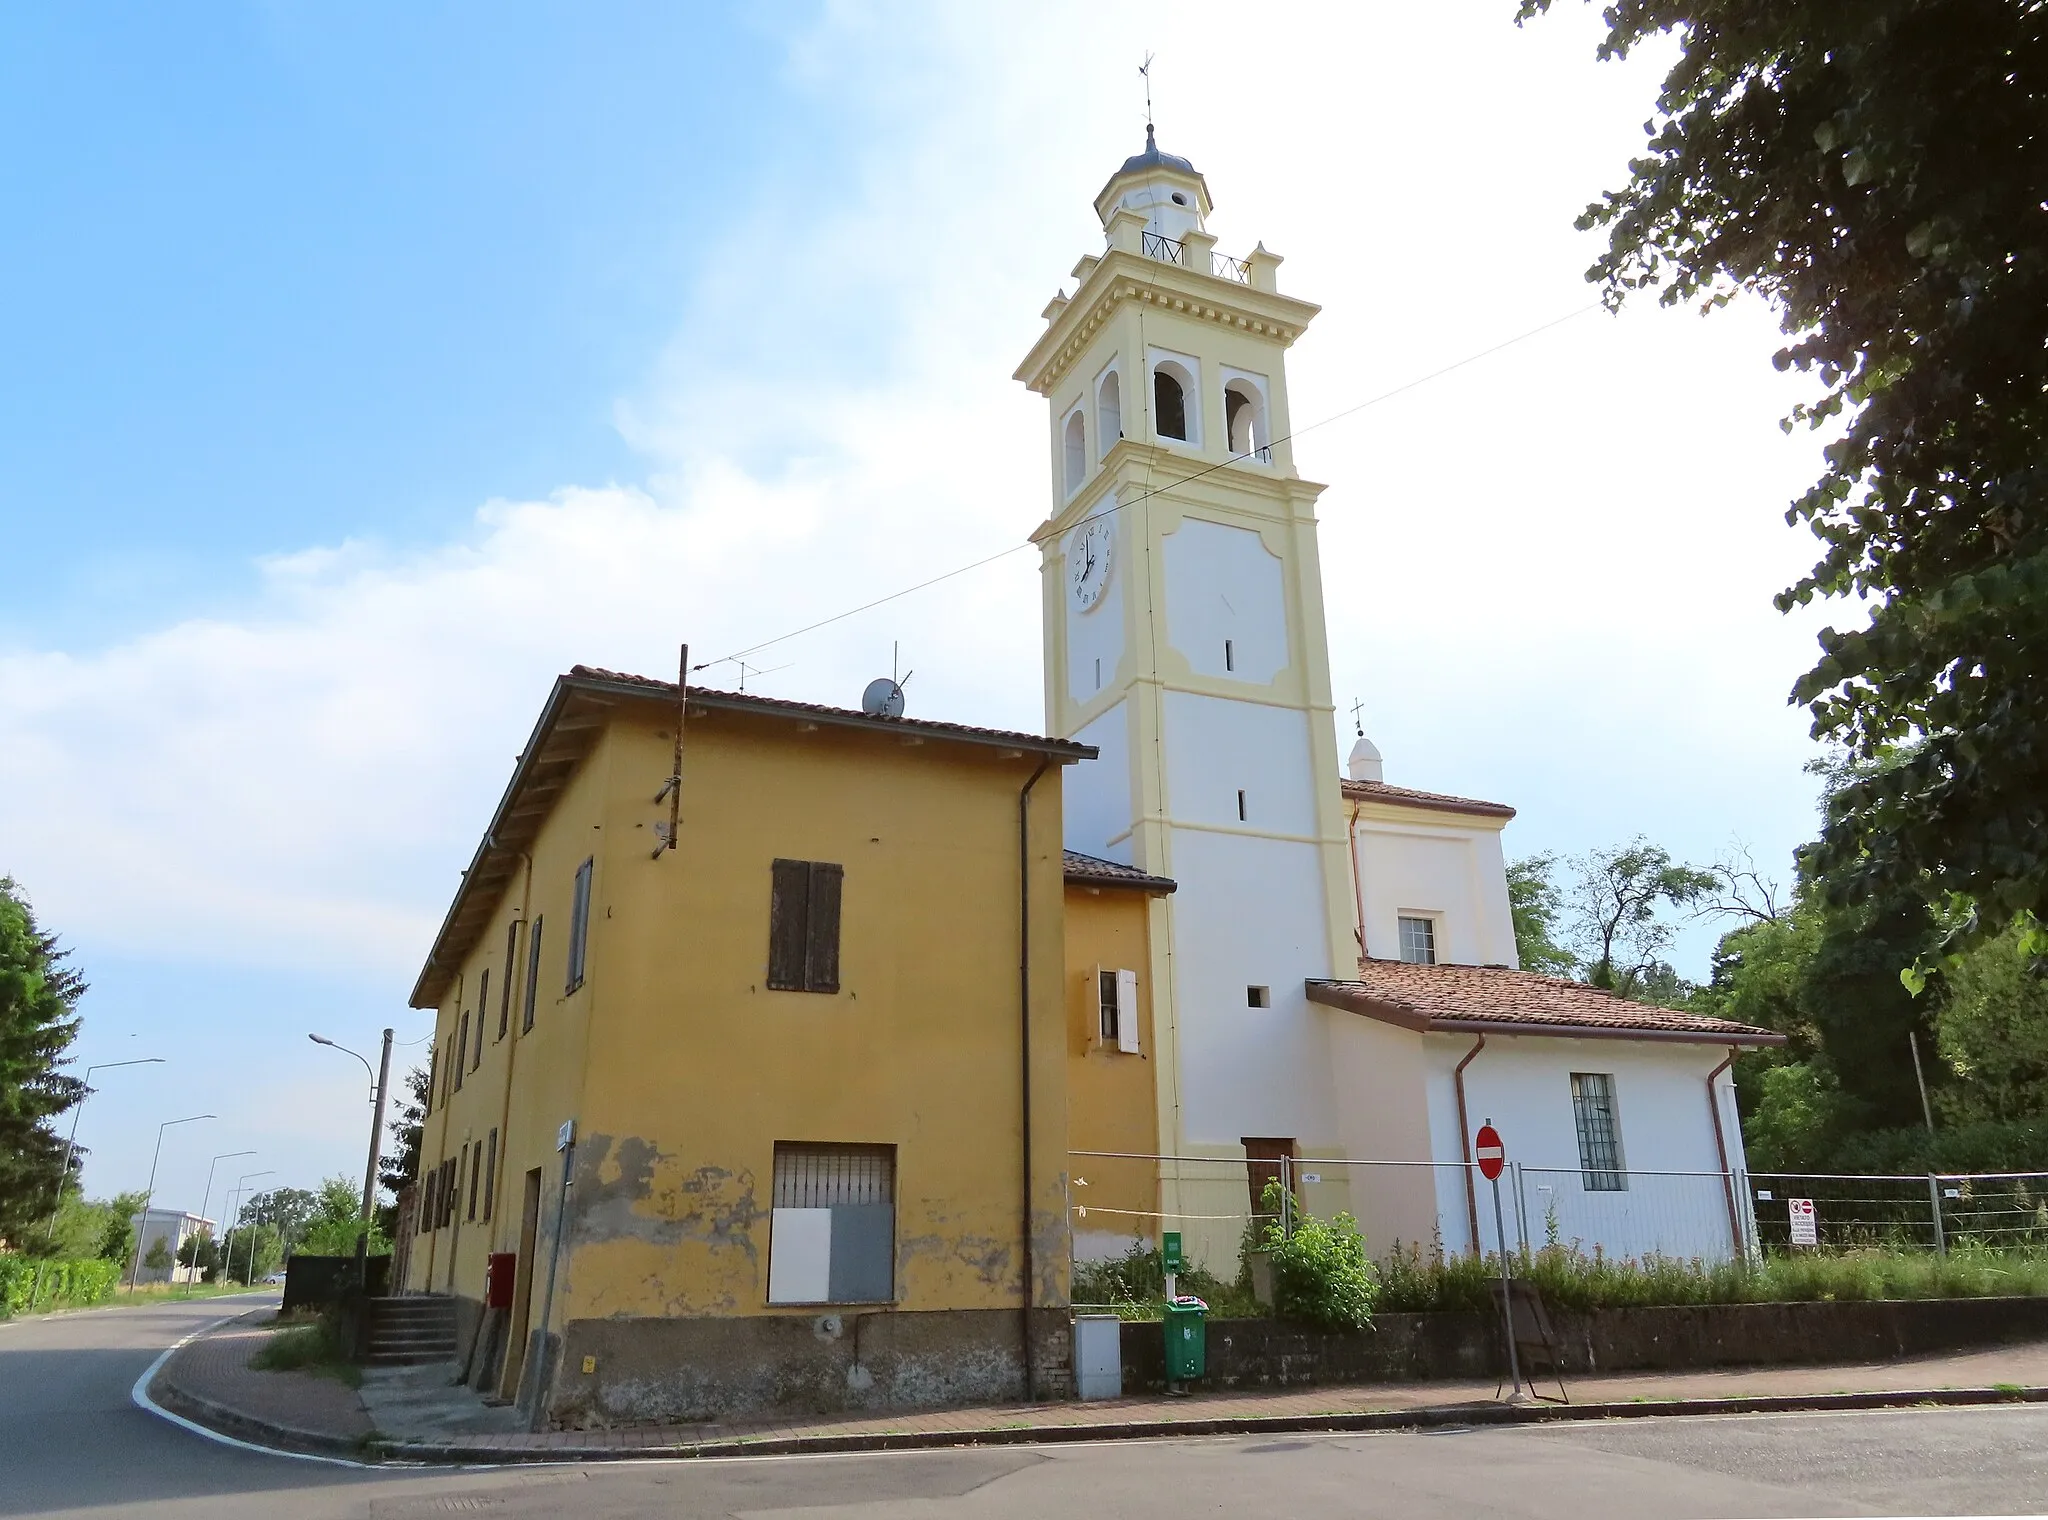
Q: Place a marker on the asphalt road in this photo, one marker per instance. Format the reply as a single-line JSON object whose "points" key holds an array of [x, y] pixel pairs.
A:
{"points": [[73, 1443]]}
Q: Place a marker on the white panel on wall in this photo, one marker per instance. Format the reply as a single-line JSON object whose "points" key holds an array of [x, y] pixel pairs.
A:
{"points": [[1225, 611], [1216, 747], [1095, 638], [1096, 794], [800, 1256], [1249, 912]]}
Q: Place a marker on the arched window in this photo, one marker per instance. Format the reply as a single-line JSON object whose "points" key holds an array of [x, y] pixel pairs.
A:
{"points": [[1077, 451], [1169, 403], [1109, 414], [1244, 412]]}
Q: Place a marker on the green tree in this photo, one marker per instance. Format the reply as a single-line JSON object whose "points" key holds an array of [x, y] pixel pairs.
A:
{"points": [[202, 1251], [1877, 172], [1617, 909], [1536, 906], [288, 1211], [401, 1164], [117, 1236], [337, 1220], [38, 1021], [1993, 1032], [158, 1256]]}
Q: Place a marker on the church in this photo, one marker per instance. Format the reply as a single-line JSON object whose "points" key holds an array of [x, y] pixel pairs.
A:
{"points": [[1334, 977], [790, 1057]]}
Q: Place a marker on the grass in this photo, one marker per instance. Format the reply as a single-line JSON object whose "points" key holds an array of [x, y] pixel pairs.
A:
{"points": [[306, 1345]]}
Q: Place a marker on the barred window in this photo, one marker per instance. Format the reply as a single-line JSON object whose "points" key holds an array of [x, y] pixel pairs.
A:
{"points": [[1599, 1132], [832, 1237], [1418, 941]]}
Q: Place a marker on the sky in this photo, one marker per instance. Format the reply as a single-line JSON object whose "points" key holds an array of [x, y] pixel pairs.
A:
{"points": [[371, 365]]}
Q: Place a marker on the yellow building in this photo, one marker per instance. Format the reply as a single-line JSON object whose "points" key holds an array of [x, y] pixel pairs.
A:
{"points": [[757, 1116]]}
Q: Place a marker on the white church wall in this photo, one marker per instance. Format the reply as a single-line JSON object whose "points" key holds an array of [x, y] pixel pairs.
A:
{"points": [[1217, 747], [1225, 605], [1249, 913], [1456, 875], [1095, 795], [1675, 1204], [1379, 1074], [1095, 638]]}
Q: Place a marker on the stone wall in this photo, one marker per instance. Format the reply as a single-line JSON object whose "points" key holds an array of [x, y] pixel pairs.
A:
{"points": [[1261, 1353]]}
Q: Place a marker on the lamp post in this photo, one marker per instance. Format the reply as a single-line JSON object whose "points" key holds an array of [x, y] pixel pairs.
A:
{"points": [[383, 1083], [207, 1197], [135, 1270], [71, 1145], [250, 1232]]}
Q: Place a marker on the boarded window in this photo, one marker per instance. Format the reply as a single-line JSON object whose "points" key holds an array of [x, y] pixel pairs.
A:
{"points": [[1117, 1009], [832, 1236], [1599, 1132], [579, 927], [1418, 941], [803, 926], [483, 1001], [490, 1172], [532, 975], [505, 991]]}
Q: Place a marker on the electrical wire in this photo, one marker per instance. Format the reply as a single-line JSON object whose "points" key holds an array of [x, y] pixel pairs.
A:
{"points": [[1151, 491]]}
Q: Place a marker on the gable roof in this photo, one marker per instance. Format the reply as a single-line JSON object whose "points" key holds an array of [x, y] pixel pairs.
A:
{"points": [[1489, 999], [1093, 871], [1435, 802], [577, 710]]}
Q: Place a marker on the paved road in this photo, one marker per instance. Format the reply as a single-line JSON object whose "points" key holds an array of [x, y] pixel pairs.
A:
{"points": [[72, 1443]]}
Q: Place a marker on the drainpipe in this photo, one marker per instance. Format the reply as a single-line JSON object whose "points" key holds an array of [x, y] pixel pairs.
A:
{"points": [[1721, 1145], [1465, 1146], [1024, 1035], [1357, 892]]}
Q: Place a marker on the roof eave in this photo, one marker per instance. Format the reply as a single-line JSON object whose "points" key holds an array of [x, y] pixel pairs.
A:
{"points": [[1404, 1016]]}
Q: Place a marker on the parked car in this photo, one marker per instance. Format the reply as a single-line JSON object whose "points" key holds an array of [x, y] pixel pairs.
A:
{"points": [[275, 1280]]}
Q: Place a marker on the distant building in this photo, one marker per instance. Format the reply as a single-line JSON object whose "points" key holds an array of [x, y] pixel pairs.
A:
{"points": [[172, 1227]]}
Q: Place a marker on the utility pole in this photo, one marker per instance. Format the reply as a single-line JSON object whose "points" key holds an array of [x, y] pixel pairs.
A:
{"points": [[376, 1155]]}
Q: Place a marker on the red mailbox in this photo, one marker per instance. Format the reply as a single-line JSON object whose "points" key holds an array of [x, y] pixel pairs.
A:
{"points": [[500, 1267]]}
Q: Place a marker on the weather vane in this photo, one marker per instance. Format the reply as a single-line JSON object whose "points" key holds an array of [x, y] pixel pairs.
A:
{"points": [[1145, 69]]}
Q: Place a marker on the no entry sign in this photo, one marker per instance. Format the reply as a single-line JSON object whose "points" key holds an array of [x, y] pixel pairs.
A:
{"points": [[1490, 1153]]}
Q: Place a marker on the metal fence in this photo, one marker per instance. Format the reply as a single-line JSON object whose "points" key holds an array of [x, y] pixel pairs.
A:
{"points": [[1122, 1203]]}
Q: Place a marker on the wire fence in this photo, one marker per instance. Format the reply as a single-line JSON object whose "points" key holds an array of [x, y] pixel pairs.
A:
{"points": [[1123, 1204]]}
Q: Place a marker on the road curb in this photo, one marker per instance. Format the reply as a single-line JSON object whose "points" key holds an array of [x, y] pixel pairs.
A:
{"points": [[1429, 1417]]}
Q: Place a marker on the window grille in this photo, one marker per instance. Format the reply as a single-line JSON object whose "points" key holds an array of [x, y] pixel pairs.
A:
{"points": [[1599, 1132], [1418, 941], [831, 1176], [833, 1231]]}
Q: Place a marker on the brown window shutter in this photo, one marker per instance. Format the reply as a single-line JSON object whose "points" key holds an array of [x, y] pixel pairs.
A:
{"points": [[788, 920], [822, 958]]}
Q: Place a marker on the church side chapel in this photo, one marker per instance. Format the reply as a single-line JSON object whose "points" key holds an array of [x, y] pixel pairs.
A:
{"points": [[1333, 982]]}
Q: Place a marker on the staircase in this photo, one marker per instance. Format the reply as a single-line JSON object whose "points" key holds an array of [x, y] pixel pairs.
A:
{"points": [[403, 1332]]}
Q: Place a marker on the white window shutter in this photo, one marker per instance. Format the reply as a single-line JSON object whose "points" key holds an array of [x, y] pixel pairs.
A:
{"points": [[1127, 1011], [1095, 1005]]}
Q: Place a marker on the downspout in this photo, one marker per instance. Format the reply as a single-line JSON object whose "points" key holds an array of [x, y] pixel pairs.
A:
{"points": [[1357, 892], [1024, 1036], [1465, 1145], [1721, 1145]]}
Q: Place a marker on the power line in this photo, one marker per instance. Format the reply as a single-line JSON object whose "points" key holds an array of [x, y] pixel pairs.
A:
{"points": [[1149, 492]]}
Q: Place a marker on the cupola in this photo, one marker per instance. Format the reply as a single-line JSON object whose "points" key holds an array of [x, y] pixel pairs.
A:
{"points": [[1161, 187], [1364, 764]]}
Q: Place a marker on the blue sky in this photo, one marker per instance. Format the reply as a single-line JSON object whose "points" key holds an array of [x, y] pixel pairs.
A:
{"points": [[370, 365]]}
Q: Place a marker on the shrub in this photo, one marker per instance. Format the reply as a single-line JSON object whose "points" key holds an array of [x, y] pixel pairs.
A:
{"points": [[312, 1345], [1320, 1270], [63, 1282], [1134, 1285]]}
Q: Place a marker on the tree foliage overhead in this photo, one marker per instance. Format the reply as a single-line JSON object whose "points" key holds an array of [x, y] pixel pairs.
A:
{"points": [[1878, 170], [38, 1021], [1616, 909], [1536, 907]]}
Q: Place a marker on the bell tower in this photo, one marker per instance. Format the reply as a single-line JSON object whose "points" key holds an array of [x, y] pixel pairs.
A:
{"points": [[1184, 637]]}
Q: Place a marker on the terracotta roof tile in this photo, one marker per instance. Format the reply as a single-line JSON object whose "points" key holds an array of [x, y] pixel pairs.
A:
{"points": [[1095, 871], [1482, 998], [1440, 802]]}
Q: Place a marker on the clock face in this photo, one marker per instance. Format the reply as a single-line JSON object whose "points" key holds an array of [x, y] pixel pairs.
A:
{"points": [[1088, 563]]}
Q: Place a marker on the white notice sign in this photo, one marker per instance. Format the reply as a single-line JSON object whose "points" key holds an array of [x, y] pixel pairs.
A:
{"points": [[1805, 1229]]}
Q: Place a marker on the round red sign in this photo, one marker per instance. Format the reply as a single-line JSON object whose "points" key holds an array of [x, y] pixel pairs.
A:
{"points": [[1488, 1151]]}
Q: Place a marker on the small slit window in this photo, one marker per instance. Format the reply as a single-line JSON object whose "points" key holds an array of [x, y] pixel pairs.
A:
{"points": [[1418, 940], [1258, 997], [1599, 1129], [1240, 805]]}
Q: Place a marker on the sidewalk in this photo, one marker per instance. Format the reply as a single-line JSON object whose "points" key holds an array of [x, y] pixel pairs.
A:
{"points": [[210, 1381]]}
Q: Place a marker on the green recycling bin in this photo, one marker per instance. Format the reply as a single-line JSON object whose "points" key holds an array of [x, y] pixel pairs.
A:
{"points": [[1187, 1339]]}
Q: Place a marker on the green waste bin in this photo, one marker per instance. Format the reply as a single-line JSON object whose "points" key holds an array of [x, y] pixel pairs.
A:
{"points": [[1187, 1339]]}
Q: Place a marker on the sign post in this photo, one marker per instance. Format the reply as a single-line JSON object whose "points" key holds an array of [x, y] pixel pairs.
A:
{"points": [[1805, 1226], [1170, 1257], [1492, 1156]]}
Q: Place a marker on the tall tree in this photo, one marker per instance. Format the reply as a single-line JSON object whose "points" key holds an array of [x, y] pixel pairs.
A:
{"points": [[1616, 908], [1536, 907], [38, 1021], [401, 1163], [1878, 171]]}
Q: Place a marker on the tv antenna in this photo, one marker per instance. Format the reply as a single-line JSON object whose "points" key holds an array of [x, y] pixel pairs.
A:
{"points": [[756, 670]]}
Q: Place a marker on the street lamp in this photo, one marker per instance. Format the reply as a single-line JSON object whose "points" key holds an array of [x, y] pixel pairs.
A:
{"points": [[251, 1232], [142, 1229], [71, 1144], [207, 1196], [383, 1081]]}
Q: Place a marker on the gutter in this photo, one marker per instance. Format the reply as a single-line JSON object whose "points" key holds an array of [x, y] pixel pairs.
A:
{"points": [[1465, 1145], [1721, 1145], [1024, 1064]]}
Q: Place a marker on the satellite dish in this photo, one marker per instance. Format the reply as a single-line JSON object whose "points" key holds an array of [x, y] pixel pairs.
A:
{"points": [[882, 699]]}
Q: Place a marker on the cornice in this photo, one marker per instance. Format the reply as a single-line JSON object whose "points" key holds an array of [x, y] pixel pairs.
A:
{"points": [[1128, 277]]}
